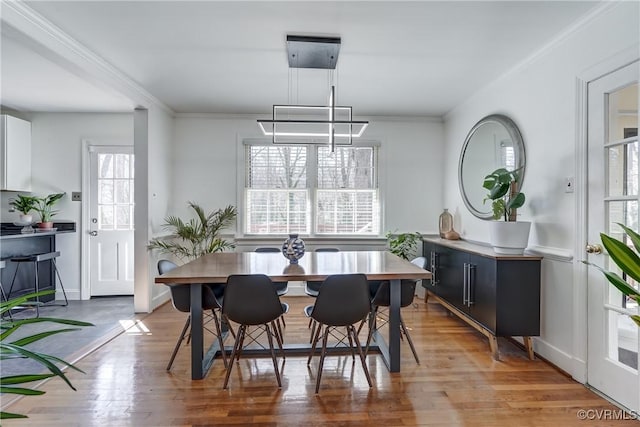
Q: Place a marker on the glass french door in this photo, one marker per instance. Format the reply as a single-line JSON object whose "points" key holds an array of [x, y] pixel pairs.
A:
{"points": [[111, 214], [613, 192]]}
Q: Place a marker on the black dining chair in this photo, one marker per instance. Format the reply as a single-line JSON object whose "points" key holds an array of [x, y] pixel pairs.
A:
{"points": [[382, 298], [281, 289], [181, 300], [251, 300], [311, 288], [343, 300]]}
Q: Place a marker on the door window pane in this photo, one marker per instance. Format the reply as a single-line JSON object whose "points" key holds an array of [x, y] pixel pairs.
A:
{"points": [[623, 169], [105, 215], [623, 113], [105, 166], [105, 191], [122, 166], [622, 339], [115, 191]]}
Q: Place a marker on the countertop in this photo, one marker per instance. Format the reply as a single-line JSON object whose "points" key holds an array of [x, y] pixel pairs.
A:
{"points": [[10, 231]]}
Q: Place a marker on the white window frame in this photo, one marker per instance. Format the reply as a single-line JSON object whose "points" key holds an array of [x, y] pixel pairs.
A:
{"points": [[311, 188]]}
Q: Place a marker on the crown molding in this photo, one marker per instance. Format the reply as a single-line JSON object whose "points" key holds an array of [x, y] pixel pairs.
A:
{"points": [[254, 116], [84, 62]]}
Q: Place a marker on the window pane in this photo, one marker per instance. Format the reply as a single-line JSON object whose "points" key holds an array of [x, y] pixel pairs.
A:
{"points": [[123, 218], [277, 167], [623, 113], [623, 169], [348, 167], [622, 339], [122, 191], [105, 191], [105, 215], [122, 166], [349, 212], [277, 196], [105, 166], [277, 211]]}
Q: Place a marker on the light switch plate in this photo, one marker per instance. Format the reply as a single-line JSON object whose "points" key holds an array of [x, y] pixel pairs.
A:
{"points": [[568, 185], [76, 196]]}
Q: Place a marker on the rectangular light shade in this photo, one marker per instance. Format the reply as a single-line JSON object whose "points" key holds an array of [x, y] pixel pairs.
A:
{"points": [[312, 124]]}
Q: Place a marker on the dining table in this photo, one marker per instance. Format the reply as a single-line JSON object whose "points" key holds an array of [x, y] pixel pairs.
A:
{"points": [[313, 266]]}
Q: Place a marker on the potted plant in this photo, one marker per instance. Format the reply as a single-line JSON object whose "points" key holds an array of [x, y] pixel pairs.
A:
{"points": [[198, 236], [24, 205], [403, 244], [508, 236], [44, 207]]}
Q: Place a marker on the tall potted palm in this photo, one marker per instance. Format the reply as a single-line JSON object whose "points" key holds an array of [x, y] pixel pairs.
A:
{"points": [[508, 236], [197, 236]]}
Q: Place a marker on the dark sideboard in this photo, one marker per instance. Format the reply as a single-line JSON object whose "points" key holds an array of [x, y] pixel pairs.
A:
{"points": [[499, 295]]}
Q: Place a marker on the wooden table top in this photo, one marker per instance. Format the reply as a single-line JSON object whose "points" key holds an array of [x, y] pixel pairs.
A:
{"points": [[215, 268]]}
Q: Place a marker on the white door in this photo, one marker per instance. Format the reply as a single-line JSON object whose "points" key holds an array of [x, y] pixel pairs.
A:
{"points": [[111, 207], [612, 359]]}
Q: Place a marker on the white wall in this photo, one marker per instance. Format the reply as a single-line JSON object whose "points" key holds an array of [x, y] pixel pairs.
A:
{"points": [[207, 157], [56, 148], [540, 96]]}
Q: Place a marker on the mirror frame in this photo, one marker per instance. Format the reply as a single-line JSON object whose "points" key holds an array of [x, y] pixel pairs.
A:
{"points": [[516, 137]]}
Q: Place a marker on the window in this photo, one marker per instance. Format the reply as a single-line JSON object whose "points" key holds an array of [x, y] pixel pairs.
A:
{"points": [[299, 188]]}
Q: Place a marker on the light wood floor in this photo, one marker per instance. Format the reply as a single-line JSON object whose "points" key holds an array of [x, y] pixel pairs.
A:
{"points": [[457, 384]]}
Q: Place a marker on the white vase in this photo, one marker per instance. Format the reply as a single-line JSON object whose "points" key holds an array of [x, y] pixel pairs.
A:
{"points": [[26, 218], [509, 237]]}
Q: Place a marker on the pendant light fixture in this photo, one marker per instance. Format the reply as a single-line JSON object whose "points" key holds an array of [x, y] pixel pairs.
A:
{"points": [[314, 124]]}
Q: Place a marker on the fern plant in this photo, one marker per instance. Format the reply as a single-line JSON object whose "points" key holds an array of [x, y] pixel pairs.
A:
{"points": [[627, 260], [18, 349], [198, 236]]}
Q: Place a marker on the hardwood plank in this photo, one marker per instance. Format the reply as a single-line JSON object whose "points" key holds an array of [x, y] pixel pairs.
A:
{"points": [[457, 384]]}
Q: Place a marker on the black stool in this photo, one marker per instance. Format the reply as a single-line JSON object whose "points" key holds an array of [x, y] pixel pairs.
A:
{"points": [[35, 259]]}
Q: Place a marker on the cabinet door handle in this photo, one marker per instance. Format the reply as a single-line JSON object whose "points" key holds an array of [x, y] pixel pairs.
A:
{"points": [[464, 284], [470, 279], [434, 269]]}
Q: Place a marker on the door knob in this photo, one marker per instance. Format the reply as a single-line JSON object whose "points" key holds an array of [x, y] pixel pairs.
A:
{"points": [[94, 233], [594, 249]]}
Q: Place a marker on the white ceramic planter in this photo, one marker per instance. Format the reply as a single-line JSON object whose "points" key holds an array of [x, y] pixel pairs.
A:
{"points": [[510, 238], [26, 218]]}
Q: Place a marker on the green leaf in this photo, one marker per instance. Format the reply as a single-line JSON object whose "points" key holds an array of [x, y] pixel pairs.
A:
{"points": [[19, 379], [9, 416], [635, 318], [616, 281], [20, 390], [516, 202], [39, 358], [37, 337], [498, 191], [633, 236], [622, 255]]}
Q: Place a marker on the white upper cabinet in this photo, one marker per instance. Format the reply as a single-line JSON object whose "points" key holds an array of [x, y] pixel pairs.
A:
{"points": [[15, 154]]}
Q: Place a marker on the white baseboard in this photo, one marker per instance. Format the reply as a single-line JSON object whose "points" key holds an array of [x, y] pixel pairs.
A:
{"points": [[575, 367], [160, 299], [72, 295]]}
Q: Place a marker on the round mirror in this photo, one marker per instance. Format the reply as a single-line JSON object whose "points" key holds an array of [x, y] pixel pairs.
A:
{"points": [[493, 142]]}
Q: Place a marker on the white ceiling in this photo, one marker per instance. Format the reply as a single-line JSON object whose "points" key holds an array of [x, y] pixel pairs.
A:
{"points": [[396, 58]]}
